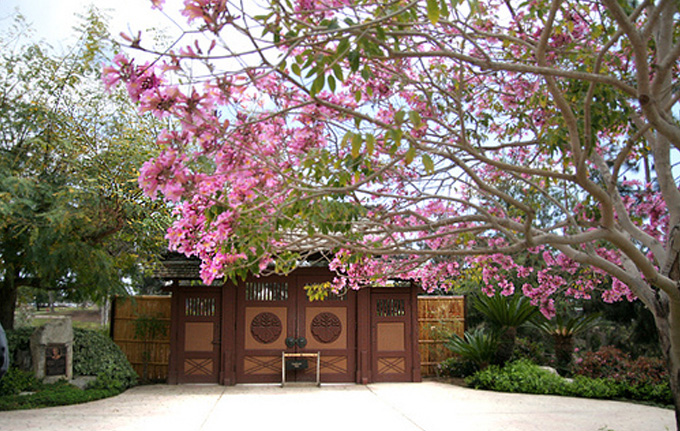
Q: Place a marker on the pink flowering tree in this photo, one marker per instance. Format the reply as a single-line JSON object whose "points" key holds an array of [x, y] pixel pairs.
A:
{"points": [[420, 139]]}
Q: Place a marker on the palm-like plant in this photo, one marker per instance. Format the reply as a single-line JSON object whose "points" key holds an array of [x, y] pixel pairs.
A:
{"points": [[563, 329], [478, 347], [505, 314]]}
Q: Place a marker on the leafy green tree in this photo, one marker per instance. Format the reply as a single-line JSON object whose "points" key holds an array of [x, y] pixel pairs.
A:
{"points": [[71, 215]]}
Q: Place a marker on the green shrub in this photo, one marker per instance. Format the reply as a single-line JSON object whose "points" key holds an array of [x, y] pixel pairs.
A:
{"points": [[56, 394], [520, 376], [533, 351], [478, 347], [524, 377], [608, 362], [18, 342], [585, 387], [17, 381], [659, 393], [643, 379], [456, 367], [94, 354], [19, 339], [645, 370]]}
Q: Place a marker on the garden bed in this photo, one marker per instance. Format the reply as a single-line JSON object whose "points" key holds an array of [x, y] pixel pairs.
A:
{"points": [[94, 355]]}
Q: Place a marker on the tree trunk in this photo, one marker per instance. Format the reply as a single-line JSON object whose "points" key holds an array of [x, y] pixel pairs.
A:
{"points": [[667, 315], [675, 386], [8, 302], [564, 349], [674, 375], [50, 296], [104, 312], [506, 347]]}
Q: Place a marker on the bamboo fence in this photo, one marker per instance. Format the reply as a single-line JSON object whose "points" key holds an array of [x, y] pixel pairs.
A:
{"points": [[140, 326], [438, 318]]}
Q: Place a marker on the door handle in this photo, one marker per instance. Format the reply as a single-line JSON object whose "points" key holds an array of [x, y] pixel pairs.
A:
{"points": [[292, 341]]}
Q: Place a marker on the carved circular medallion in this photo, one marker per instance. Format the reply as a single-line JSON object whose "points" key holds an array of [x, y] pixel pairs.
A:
{"points": [[266, 327], [326, 327]]}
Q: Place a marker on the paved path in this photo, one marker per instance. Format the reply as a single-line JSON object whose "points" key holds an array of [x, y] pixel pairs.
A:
{"points": [[425, 406]]}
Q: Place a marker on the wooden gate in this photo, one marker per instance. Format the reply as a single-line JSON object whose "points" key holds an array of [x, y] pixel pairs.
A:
{"points": [[329, 327], [198, 318], [275, 316], [392, 333]]}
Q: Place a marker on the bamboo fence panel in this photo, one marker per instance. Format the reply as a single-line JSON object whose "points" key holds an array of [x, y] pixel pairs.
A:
{"points": [[438, 318], [152, 352]]}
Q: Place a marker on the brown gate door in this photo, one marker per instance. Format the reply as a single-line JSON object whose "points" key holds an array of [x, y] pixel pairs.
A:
{"points": [[199, 335], [329, 327], [266, 315], [275, 316], [391, 334]]}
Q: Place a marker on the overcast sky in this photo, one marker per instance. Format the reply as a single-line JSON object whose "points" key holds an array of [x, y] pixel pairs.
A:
{"points": [[53, 20]]}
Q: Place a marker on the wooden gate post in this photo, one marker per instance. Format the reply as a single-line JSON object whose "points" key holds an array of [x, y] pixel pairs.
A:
{"points": [[364, 336], [174, 337], [415, 363], [228, 371]]}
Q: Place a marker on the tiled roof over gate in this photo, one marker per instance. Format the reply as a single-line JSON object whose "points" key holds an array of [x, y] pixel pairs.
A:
{"points": [[179, 268]]}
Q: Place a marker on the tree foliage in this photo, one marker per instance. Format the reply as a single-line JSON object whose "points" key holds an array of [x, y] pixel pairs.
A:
{"points": [[71, 215]]}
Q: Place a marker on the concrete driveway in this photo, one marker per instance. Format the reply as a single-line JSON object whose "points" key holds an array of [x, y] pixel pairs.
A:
{"points": [[428, 406]]}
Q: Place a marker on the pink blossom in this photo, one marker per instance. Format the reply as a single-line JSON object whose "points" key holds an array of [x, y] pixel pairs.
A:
{"points": [[122, 69], [254, 157]]}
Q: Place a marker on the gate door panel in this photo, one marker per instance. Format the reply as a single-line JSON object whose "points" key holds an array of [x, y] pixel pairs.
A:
{"points": [[264, 321], [329, 326], [199, 336], [275, 316], [392, 335]]}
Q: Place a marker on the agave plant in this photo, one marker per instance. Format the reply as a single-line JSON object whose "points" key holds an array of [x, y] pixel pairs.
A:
{"points": [[563, 329], [478, 346], [505, 314]]}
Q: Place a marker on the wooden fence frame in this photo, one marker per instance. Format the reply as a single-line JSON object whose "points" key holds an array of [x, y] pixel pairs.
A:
{"points": [[438, 316]]}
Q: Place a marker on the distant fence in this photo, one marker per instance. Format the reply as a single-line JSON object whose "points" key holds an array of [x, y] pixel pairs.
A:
{"points": [[140, 326], [438, 316]]}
